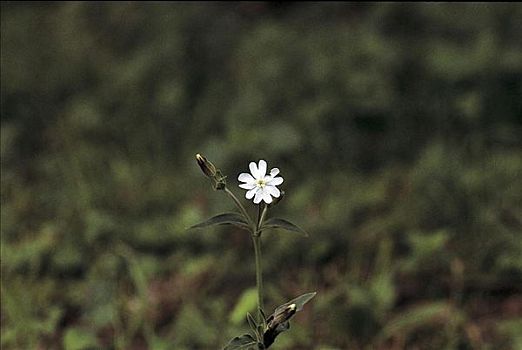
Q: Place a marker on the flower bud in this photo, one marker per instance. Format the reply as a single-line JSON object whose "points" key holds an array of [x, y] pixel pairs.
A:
{"points": [[277, 323], [206, 166], [281, 316]]}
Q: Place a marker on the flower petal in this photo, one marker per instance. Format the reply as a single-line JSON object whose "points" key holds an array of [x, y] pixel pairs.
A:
{"points": [[275, 181], [248, 186], [258, 197], [274, 172], [253, 169], [262, 168], [246, 177], [274, 191], [250, 194], [267, 198]]}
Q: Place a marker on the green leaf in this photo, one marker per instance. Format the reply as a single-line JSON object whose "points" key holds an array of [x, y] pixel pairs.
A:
{"points": [[299, 302], [252, 323], [284, 224], [261, 312], [244, 342], [247, 302], [224, 219], [79, 339]]}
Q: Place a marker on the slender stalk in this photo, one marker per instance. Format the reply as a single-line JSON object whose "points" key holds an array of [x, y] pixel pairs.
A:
{"points": [[261, 219], [259, 272], [256, 238], [240, 207]]}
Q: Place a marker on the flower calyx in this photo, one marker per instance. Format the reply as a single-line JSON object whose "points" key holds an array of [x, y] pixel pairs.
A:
{"points": [[210, 171]]}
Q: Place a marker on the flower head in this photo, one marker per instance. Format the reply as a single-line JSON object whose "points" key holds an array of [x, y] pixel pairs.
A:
{"points": [[259, 185]]}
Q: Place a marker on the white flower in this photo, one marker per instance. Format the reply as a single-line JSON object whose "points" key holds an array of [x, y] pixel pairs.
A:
{"points": [[259, 185]]}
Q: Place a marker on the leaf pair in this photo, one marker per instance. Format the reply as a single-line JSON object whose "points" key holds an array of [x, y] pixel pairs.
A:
{"points": [[237, 219]]}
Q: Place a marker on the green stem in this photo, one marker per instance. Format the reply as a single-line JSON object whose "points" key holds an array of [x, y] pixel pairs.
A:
{"points": [[240, 207], [256, 238], [261, 219], [259, 273]]}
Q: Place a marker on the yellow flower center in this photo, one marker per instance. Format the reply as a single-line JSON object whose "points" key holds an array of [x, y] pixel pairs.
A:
{"points": [[261, 183]]}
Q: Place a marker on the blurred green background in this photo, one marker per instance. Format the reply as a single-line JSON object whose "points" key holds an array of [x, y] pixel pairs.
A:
{"points": [[397, 128]]}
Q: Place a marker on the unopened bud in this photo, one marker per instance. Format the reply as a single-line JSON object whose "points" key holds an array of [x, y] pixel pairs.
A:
{"points": [[281, 316], [277, 323], [206, 166]]}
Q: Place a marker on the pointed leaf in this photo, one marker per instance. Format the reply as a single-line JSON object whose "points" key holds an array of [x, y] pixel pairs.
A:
{"points": [[244, 342], [263, 316], [284, 224], [252, 323], [224, 219], [299, 302], [262, 313]]}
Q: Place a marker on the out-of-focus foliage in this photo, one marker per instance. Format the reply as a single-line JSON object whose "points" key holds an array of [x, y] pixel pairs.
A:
{"points": [[397, 128]]}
